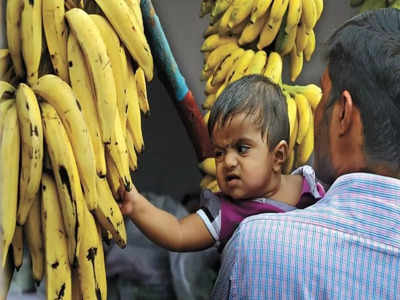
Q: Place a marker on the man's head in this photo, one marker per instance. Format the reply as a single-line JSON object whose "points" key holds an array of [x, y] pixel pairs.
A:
{"points": [[358, 119]]}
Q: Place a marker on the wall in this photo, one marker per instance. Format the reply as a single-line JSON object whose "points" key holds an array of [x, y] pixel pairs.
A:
{"points": [[168, 165]]}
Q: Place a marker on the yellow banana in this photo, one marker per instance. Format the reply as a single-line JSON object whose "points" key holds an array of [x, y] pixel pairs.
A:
{"points": [[117, 56], [98, 62], [125, 24], [215, 40], [33, 231], [302, 37], [294, 14], [66, 176], [14, 40], [252, 31], [293, 120], [31, 131], [288, 166], [5, 62], [208, 166], [60, 95], [241, 65], [304, 116], [209, 102], [310, 46], [9, 173], [58, 271], [6, 90], [211, 29], [222, 87], [18, 246], [223, 69], [213, 186], [113, 177], [257, 63], [219, 54], [133, 161], [285, 41], [109, 215], [206, 117], [237, 30], [209, 88], [273, 69], [312, 92], [134, 6], [56, 33], [31, 32], [205, 74], [207, 179], [305, 149], [223, 27], [241, 10], [296, 63], [142, 91], [319, 7], [309, 14], [259, 9], [268, 33], [83, 88], [278, 10], [220, 7]]}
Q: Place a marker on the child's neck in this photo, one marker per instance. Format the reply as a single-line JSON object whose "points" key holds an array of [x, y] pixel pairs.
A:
{"points": [[289, 189]]}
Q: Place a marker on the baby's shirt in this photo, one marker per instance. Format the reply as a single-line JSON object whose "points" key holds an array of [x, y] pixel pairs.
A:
{"points": [[221, 215]]}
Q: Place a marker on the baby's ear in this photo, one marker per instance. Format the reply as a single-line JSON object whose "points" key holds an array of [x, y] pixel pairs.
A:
{"points": [[280, 154]]}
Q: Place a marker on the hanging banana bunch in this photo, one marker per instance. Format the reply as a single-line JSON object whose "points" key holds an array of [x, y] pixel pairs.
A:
{"points": [[73, 87], [254, 37]]}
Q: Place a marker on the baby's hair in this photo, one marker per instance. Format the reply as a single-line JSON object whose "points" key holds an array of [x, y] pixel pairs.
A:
{"points": [[260, 99]]}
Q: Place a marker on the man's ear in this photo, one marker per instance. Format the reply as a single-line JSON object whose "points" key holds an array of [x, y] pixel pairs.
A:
{"points": [[344, 113], [280, 154]]}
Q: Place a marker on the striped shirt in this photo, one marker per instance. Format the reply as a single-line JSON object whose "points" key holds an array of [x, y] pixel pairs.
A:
{"points": [[346, 246]]}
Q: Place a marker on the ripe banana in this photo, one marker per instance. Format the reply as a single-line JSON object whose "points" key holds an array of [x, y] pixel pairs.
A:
{"points": [[9, 174], [208, 166], [259, 9], [257, 63], [18, 246], [219, 54], [14, 41], [109, 215], [113, 177], [134, 6], [241, 10], [302, 37], [6, 90], [213, 41], [285, 40], [31, 131], [209, 88], [309, 14], [34, 236], [83, 88], [278, 10], [241, 66], [268, 33], [56, 33], [61, 96], [237, 30], [66, 176], [31, 33], [209, 102], [206, 117], [98, 62], [142, 92], [305, 149], [310, 46], [304, 116], [211, 29], [295, 10], [5, 61], [252, 31], [223, 28], [220, 6], [207, 179], [133, 161], [273, 69], [288, 166], [296, 63], [58, 271], [223, 69], [319, 7], [293, 120], [312, 92], [128, 29]]}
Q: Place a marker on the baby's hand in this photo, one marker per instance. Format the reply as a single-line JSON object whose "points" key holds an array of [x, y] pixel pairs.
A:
{"points": [[128, 199]]}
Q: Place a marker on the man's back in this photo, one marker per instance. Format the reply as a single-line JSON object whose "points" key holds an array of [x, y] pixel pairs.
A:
{"points": [[347, 246]]}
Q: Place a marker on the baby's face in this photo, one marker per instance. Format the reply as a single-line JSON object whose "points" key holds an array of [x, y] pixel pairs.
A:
{"points": [[243, 159]]}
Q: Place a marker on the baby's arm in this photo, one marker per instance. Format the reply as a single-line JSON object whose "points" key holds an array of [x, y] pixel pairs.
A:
{"points": [[187, 234]]}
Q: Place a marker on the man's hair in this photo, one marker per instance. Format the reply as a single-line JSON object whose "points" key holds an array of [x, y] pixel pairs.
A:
{"points": [[364, 58], [258, 98]]}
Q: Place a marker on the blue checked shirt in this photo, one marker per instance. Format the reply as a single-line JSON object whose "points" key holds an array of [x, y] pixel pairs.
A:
{"points": [[346, 246]]}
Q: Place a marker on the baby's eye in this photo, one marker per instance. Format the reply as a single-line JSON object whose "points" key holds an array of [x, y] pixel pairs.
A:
{"points": [[242, 149], [218, 153]]}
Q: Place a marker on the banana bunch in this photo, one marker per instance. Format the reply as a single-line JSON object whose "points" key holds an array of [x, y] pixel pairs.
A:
{"points": [[73, 88], [374, 4]]}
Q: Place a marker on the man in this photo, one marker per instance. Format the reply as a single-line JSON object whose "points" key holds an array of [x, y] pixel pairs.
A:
{"points": [[346, 246]]}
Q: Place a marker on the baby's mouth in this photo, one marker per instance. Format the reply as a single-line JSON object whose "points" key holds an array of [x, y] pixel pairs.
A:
{"points": [[231, 177]]}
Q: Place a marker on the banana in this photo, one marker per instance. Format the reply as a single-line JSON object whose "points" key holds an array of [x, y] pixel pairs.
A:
{"points": [[66, 176], [98, 62], [252, 31], [312, 92], [31, 33], [142, 92], [241, 65], [4, 107], [208, 166], [241, 10], [18, 246], [273, 69], [133, 161], [205, 74], [113, 177], [9, 173], [309, 14], [90, 266], [278, 10], [213, 186], [124, 23], [294, 14], [117, 56], [31, 131], [213, 41], [305, 149], [5, 61], [134, 6], [206, 117], [304, 116], [288, 166], [134, 117], [302, 37], [219, 54], [58, 271], [220, 6], [61, 96], [223, 27], [207, 179], [259, 9], [211, 29], [209, 88], [56, 33], [33, 232], [225, 67], [13, 29], [6, 90], [223, 86], [237, 30], [109, 215], [209, 102], [310, 46], [296, 63], [293, 121], [206, 7], [268, 33], [319, 7], [285, 40], [257, 63], [83, 87]]}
